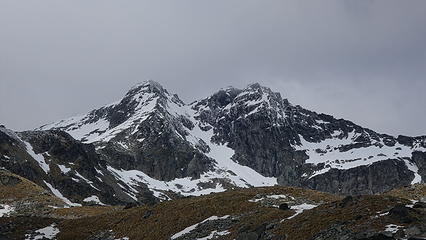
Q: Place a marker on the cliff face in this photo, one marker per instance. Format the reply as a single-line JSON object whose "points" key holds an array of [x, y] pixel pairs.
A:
{"points": [[66, 167], [303, 148]]}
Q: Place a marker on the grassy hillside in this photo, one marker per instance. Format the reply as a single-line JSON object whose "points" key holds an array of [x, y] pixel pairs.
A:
{"points": [[255, 213], [15, 189]]}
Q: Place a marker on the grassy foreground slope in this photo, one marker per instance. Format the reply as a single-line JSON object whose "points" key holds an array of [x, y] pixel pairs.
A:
{"points": [[19, 192], [255, 213], [165, 219]]}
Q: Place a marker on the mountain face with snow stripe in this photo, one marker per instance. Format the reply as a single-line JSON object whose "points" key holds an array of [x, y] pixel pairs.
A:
{"points": [[68, 168], [146, 124], [152, 142], [296, 145]]}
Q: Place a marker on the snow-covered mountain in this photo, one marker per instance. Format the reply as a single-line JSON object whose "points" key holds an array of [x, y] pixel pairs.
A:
{"points": [[152, 140], [162, 143]]}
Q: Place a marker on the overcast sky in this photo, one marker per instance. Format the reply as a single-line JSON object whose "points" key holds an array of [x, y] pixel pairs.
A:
{"points": [[360, 60]]}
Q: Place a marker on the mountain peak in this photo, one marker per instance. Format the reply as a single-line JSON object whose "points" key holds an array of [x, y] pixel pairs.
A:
{"points": [[148, 86], [259, 88], [256, 91], [146, 83], [255, 85]]}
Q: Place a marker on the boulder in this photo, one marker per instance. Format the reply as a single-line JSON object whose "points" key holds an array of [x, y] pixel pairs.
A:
{"points": [[402, 214], [283, 206]]}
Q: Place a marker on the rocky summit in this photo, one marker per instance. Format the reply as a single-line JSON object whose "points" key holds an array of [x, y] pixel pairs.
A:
{"points": [[151, 146]]}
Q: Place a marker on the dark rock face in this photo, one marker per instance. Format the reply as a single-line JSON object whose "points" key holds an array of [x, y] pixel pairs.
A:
{"points": [[419, 205], [347, 201], [7, 180], [378, 236], [60, 150], [263, 129], [258, 133], [146, 135], [419, 158], [80, 158], [402, 214], [259, 233], [378, 177], [163, 154]]}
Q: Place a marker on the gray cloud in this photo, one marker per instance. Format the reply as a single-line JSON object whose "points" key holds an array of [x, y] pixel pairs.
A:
{"points": [[360, 60]]}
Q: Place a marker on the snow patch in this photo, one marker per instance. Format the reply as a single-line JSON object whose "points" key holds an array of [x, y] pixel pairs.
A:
{"points": [[300, 208], [412, 204], [279, 196], [5, 210], [413, 167], [48, 232], [392, 228], [329, 152], [193, 227], [93, 198], [64, 169], [185, 186], [59, 195], [83, 178], [38, 157]]}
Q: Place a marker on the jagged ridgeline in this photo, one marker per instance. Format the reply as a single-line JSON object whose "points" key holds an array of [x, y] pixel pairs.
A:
{"points": [[151, 146]]}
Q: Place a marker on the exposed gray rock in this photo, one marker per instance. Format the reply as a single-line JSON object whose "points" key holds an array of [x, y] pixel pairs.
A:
{"points": [[402, 214], [376, 178], [419, 158], [7, 180], [60, 150]]}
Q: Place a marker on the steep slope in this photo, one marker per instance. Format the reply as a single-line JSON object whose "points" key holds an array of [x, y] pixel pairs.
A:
{"points": [[21, 197], [239, 138], [303, 148], [66, 167]]}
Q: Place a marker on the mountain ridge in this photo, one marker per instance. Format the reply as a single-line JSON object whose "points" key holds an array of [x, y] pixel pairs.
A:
{"points": [[153, 143]]}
